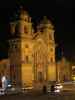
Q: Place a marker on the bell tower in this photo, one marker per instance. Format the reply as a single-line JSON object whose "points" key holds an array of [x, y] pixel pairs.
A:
{"points": [[20, 47], [25, 24], [46, 30]]}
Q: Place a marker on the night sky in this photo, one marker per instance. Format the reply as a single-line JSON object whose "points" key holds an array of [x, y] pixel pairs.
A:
{"points": [[60, 12]]}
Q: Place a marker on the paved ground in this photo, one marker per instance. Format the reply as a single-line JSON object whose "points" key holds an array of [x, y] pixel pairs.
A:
{"points": [[69, 94], [40, 96]]}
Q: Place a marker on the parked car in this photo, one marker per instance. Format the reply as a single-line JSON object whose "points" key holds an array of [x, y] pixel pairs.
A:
{"points": [[9, 84], [54, 87]]}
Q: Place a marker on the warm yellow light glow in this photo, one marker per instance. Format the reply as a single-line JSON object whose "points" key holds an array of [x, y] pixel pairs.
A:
{"points": [[73, 78], [34, 55]]}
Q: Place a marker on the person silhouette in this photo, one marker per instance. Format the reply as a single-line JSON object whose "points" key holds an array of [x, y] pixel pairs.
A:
{"points": [[52, 88], [44, 89]]}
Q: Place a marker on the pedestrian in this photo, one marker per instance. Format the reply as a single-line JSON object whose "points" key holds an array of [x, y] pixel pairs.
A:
{"points": [[44, 89], [52, 88]]}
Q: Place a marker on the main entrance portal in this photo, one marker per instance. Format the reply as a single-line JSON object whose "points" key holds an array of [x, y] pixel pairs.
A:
{"points": [[40, 61]]}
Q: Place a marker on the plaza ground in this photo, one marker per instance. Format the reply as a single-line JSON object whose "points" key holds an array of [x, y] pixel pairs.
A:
{"points": [[66, 95]]}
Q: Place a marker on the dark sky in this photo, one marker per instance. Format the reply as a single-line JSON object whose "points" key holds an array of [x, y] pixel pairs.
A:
{"points": [[59, 11]]}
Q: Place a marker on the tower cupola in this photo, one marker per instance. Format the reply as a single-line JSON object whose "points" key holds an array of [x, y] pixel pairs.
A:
{"points": [[23, 15]]}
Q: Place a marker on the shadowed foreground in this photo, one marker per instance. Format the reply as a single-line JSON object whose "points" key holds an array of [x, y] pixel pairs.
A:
{"points": [[40, 96]]}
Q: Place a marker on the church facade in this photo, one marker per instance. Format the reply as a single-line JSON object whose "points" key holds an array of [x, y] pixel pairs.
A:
{"points": [[31, 54]]}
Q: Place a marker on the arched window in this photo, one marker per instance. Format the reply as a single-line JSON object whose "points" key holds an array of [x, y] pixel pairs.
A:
{"points": [[51, 49], [25, 30], [50, 37], [17, 28], [51, 59]]}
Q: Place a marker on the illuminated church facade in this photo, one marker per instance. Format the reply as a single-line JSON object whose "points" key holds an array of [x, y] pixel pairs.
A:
{"points": [[31, 54]]}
